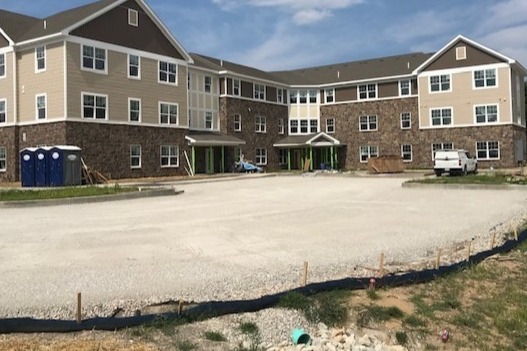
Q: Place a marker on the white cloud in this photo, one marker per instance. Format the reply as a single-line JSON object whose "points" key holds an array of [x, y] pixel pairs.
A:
{"points": [[509, 41], [310, 16], [507, 13]]}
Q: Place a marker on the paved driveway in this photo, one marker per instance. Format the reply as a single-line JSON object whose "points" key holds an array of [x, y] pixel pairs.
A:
{"points": [[227, 240]]}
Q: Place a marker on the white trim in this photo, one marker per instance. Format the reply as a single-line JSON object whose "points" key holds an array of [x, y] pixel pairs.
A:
{"points": [[138, 77], [367, 92], [332, 140], [486, 114], [326, 102], [281, 126], [5, 65], [234, 122], [102, 121], [239, 87], [130, 18], [159, 113], [6, 114], [262, 122], [334, 125], [356, 82], [474, 87], [95, 95], [130, 99], [378, 99], [401, 120], [487, 148], [264, 92], [510, 94], [94, 70], [440, 91], [169, 156], [46, 38], [65, 63], [256, 156], [368, 122], [451, 108], [203, 69], [409, 87], [461, 53], [457, 70], [6, 49], [135, 156], [9, 40], [45, 95], [37, 70], [442, 143], [369, 152], [249, 99], [176, 83], [411, 152]]}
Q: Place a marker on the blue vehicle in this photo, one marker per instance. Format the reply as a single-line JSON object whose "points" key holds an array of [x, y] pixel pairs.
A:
{"points": [[246, 167]]}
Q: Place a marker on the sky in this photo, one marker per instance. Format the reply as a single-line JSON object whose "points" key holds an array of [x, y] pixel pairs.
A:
{"points": [[287, 34]]}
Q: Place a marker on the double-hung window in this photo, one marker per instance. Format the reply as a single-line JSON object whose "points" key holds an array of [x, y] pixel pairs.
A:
{"points": [[368, 123], [236, 87], [281, 127], [135, 156], [330, 125], [134, 110], [485, 78], [486, 114], [41, 103], [441, 146], [134, 67], [368, 151], [2, 65], [40, 58], [169, 156], [293, 126], [406, 152], [261, 157], [168, 113], [167, 72], [440, 83], [329, 95], [93, 58], [441, 116], [94, 106], [237, 122], [3, 111], [406, 120], [208, 120], [293, 96], [280, 95], [488, 150], [303, 126], [313, 97], [313, 126], [208, 84], [259, 91], [3, 159], [260, 124], [367, 91], [404, 87], [303, 96]]}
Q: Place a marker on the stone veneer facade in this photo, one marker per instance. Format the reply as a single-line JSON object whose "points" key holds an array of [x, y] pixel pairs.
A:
{"points": [[9, 140]]}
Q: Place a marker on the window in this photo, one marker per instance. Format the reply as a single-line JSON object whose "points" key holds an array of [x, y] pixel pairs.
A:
{"points": [[208, 120], [3, 111], [368, 151], [260, 124], [3, 159], [293, 126], [281, 127], [261, 156], [167, 72], [94, 106], [406, 120], [133, 18], [282, 156], [404, 87], [2, 65], [368, 123], [441, 146], [134, 110], [169, 156], [93, 58], [486, 114], [208, 84], [485, 78], [134, 67], [41, 106], [40, 58], [406, 152], [488, 150], [330, 95], [440, 83], [367, 91], [303, 126], [330, 125], [313, 97], [280, 94], [441, 116], [237, 122], [168, 113], [303, 96], [313, 126], [293, 96], [259, 91], [135, 156], [461, 53], [236, 87]]}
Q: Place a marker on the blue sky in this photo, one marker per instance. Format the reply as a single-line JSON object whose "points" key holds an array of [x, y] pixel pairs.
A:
{"points": [[284, 34]]}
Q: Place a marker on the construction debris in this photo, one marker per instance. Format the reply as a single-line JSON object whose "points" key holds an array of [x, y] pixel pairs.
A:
{"points": [[92, 176]]}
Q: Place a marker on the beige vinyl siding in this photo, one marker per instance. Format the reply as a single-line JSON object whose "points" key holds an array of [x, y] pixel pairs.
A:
{"points": [[464, 97], [6, 88], [304, 111], [119, 87], [49, 82]]}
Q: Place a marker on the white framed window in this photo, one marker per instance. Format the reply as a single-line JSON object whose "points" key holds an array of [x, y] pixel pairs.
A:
{"points": [[208, 120], [2, 66], [293, 126], [441, 116], [368, 123], [367, 91], [313, 126], [236, 91], [134, 67], [406, 120], [40, 59], [261, 157], [404, 87], [485, 78], [440, 83], [486, 114], [208, 84], [329, 95], [282, 156], [94, 106], [133, 17], [169, 156], [304, 126], [237, 122], [260, 124], [168, 113], [135, 156], [280, 95], [281, 126], [441, 146], [461, 53], [3, 111], [134, 110], [41, 106], [313, 96], [3, 159], [293, 96], [330, 125], [167, 72], [406, 152], [302, 97], [94, 59], [259, 91], [367, 151], [488, 150]]}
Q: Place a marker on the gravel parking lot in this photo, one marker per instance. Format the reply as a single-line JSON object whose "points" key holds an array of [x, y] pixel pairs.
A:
{"points": [[227, 240]]}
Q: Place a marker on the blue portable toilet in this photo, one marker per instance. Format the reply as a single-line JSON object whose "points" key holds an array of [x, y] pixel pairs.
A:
{"points": [[27, 167], [42, 167], [64, 165]]}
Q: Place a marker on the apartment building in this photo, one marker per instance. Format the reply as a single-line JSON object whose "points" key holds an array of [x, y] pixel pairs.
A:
{"points": [[110, 78]]}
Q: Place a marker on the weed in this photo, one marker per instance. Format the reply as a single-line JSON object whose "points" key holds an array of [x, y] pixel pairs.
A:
{"points": [[401, 337], [414, 321], [379, 314], [249, 328], [372, 294], [430, 347], [58, 193], [469, 320], [185, 345], [252, 332], [295, 301], [214, 336]]}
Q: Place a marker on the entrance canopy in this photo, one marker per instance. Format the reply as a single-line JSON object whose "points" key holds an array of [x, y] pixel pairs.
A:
{"points": [[309, 140], [213, 139]]}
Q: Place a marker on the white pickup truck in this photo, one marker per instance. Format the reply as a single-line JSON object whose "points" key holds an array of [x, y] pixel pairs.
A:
{"points": [[454, 162]]}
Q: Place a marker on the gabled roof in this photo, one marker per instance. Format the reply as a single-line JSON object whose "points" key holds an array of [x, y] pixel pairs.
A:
{"points": [[318, 139], [212, 139]]}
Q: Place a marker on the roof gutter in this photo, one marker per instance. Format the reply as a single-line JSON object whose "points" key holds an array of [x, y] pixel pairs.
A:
{"points": [[227, 72], [39, 39]]}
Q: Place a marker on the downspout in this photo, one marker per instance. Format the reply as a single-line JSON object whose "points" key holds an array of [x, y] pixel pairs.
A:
{"points": [[15, 94]]}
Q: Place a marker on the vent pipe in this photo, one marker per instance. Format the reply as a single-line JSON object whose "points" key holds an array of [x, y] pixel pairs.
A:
{"points": [[221, 63], [408, 64], [338, 74], [45, 24]]}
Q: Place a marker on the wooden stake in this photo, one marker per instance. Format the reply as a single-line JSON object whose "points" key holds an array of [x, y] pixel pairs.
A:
{"points": [[516, 233], [468, 253], [493, 241], [79, 308], [180, 306], [438, 258], [381, 265], [304, 274]]}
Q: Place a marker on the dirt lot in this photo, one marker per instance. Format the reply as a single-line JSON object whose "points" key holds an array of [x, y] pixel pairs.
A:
{"points": [[226, 240]]}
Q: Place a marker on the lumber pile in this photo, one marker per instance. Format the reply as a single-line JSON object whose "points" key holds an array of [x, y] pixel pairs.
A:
{"points": [[385, 164], [92, 176]]}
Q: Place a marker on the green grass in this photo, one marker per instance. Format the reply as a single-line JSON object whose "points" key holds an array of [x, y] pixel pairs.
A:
{"points": [[401, 337], [186, 345], [214, 336], [376, 313], [60, 193], [249, 328], [487, 178]]}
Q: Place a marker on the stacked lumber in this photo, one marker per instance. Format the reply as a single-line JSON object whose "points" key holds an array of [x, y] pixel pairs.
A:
{"points": [[92, 176]]}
